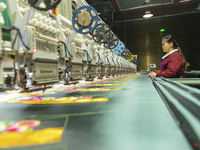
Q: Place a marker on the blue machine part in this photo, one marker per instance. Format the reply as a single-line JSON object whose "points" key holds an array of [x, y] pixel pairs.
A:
{"points": [[119, 48], [94, 20]]}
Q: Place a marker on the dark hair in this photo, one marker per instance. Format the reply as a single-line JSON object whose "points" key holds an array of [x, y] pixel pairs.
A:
{"points": [[169, 39]]}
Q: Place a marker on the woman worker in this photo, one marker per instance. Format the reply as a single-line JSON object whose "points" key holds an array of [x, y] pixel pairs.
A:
{"points": [[173, 62]]}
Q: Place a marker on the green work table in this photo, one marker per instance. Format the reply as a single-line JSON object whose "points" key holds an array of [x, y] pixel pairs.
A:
{"points": [[134, 118]]}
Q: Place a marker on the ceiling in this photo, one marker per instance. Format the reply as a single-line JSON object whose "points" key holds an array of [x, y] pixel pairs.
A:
{"points": [[110, 10], [134, 3], [123, 4]]}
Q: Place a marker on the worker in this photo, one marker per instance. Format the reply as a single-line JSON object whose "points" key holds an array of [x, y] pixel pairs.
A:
{"points": [[173, 62]]}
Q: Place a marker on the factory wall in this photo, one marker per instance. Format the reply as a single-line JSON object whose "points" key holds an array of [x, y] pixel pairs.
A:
{"points": [[143, 37]]}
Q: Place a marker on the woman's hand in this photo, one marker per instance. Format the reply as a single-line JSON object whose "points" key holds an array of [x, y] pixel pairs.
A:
{"points": [[152, 74]]}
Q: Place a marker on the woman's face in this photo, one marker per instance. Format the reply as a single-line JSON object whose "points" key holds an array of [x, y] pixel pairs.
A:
{"points": [[166, 46]]}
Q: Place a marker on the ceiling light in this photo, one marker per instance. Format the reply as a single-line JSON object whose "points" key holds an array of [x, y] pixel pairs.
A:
{"points": [[147, 14], [198, 8], [184, 1]]}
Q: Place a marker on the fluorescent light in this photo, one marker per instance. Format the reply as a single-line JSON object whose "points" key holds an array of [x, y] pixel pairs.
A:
{"points": [[198, 8], [148, 14], [184, 1]]}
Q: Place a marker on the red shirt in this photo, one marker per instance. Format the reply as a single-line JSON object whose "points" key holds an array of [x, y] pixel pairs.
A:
{"points": [[172, 66]]}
